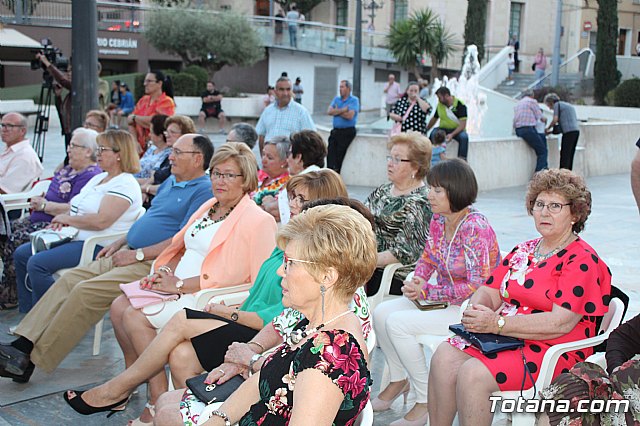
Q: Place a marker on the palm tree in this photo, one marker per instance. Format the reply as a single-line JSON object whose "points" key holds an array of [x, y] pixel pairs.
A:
{"points": [[423, 33]]}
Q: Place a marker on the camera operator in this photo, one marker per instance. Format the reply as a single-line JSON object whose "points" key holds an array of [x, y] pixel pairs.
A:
{"points": [[62, 80]]}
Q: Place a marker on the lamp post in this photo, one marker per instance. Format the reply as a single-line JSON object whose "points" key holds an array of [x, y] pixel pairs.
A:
{"points": [[357, 50], [372, 7], [555, 72]]}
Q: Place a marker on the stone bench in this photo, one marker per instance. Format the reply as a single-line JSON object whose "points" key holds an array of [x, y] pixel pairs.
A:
{"points": [[249, 107], [24, 106]]}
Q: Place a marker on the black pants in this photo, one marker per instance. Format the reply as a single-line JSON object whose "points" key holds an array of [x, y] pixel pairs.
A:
{"points": [[339, 141], [373, 285], [568, 149]]}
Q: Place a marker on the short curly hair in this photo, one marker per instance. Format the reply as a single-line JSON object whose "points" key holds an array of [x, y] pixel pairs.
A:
{"points": [[419, 150], [566, 183]]}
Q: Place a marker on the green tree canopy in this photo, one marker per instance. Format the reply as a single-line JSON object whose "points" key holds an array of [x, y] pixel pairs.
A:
{"points": [[205, 39], [475, 25], [605, 71], [423, 33]]}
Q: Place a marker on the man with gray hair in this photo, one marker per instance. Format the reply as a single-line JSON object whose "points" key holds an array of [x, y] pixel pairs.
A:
{"points": [[344, 109], [243, 132], [19, 163], [527, 115]]}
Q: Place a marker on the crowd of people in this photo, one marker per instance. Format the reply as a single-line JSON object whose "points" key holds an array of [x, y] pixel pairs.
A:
{"points": [[196, 219]]}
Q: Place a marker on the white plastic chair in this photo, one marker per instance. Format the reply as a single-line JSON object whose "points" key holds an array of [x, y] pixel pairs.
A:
{"points": [[610, 321], [20, 200], [385, 286]]}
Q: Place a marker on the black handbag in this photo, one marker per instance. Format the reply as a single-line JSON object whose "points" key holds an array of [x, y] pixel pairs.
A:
{"points": [[487, 343], [557, 129], [213, 392]]}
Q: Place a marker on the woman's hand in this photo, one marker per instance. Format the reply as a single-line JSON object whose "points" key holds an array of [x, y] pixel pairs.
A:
{"points": [[59, 221], [218, 309], [160, 281], [37, 203], [480, 319], [412, 289], [239, 353], [226, 372]]}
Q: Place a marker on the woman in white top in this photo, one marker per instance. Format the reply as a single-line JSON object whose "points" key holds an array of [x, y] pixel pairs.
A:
{"points": [[108, 203]]}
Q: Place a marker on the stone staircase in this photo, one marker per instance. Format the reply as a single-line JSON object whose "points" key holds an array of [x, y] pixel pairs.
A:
{"points": [[521, 81]]}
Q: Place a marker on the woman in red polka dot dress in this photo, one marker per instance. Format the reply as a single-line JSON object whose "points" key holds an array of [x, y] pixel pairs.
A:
{"points": [[546, 291]]}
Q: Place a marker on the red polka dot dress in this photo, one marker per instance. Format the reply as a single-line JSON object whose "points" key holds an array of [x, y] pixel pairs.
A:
{"points": [[574, 278]]}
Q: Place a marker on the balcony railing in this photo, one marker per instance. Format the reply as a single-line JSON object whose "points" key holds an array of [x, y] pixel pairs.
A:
{"points": [[313, 37]]}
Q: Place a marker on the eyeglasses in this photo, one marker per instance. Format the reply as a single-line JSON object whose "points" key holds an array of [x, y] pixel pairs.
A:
{"points": [[297, 199], [287, 261], [92, 125], [102, 149], [173, 132], [73, 145], [224, 176], [397, 160], [10, 126], [554, 208], [176, 152], [150, 81]]}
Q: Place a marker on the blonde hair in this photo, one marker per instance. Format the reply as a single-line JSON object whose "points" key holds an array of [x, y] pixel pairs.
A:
{"points": [[419, 150], [123, 143], [335, 237], [100, 116], [185, 123], [319, 184], [245, 160]]}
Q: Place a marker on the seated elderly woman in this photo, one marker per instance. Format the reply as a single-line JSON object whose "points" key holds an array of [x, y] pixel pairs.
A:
{"points": [[108, 203], [96, 120], [547, 291], [587, 382], [462, 251], [275, 172], [157, 151], [195, 341], [66, 184], [307, 154], [401, 208], [224, 244]]}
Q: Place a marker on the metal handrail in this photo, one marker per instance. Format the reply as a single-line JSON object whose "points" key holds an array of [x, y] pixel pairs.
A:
{"points": [[587, 69]]}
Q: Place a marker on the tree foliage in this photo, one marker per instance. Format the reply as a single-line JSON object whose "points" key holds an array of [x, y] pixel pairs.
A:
{"points": [[475, 25], [208, 40], [606, 75], [423, 33]]}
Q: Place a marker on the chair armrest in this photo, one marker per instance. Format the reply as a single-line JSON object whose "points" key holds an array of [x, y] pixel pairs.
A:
{"points": [[203, 296], [385, 284], [38, 189], [230, 299], [90, 244]]}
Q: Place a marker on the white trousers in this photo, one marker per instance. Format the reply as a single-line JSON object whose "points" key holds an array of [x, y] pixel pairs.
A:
{"points": [[397, 322]]}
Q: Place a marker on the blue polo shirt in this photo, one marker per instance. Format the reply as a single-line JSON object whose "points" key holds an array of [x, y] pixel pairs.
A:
{"points": [[353, 103], [170, 210]]}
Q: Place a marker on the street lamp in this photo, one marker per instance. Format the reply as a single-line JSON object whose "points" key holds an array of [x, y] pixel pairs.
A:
{"points": [[372, 7]]}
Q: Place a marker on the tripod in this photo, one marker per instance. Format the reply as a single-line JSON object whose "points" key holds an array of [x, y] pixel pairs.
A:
{"points": [[42, 117]]}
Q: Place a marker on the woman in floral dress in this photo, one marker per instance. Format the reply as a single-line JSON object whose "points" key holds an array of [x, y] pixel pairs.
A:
{"points": [[66, 184], [546, 291], [274, 174]]}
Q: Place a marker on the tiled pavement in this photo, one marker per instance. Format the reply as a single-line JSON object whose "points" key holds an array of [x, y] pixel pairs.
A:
{"points": [[613, 229]]}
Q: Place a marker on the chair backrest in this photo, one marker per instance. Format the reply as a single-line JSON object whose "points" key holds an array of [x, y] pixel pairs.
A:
{"points": [[612, 319]]}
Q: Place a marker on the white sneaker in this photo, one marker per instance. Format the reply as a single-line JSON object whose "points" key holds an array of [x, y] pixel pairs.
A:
{"points": [[12, 330], [510, 83]]}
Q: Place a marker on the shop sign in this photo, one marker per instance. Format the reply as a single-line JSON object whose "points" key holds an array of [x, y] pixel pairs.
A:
{"points": [[116, 46]]}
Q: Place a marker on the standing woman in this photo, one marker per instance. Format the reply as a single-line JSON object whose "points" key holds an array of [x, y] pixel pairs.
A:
{"points": [[461, 250], [157, 99], [564, 114], [418, 110], [401, 209]]}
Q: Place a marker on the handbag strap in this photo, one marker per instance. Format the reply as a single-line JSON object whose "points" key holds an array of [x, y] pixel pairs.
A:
{"points": [[153, 296], [406, 114]]}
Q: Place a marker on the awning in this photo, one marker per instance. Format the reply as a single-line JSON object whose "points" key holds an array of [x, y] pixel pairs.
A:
{"points": [[15, 46]]}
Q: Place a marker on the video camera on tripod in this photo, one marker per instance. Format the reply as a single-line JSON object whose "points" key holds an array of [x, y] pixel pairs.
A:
{"points": [[54, 56]]}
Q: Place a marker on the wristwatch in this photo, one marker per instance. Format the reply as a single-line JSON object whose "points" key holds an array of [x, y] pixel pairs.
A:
{"points": [[234, 316], [179, 285], [139, 255], [501, 323], [254, 359]]}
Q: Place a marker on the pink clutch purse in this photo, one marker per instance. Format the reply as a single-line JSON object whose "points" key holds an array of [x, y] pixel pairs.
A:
{"points": [[140, 298]]}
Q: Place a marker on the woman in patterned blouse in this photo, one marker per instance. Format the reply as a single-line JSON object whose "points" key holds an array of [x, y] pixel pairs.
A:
{"points": [[401, 209], [462, 250], [275, 171]]}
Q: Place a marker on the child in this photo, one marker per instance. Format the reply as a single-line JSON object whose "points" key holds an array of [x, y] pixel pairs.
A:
{"points": [[511, 63], [439, 147]]}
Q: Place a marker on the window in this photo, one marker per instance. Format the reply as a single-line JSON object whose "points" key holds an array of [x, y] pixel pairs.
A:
{"points": [[515, 19], [342, 12], [400, 10]]}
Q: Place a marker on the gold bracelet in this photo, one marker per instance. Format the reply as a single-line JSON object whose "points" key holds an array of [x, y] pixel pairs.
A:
{"points": [[257, 344]]}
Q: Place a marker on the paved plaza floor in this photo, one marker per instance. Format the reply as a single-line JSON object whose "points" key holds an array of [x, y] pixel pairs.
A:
{"points": [[613, 230]]}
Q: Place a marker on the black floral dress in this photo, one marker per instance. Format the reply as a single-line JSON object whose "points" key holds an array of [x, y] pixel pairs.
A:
{"points": [[336, 354]]}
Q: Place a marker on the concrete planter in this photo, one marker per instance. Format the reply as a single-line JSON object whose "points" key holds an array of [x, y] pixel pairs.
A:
{"points": [[250, 106]]}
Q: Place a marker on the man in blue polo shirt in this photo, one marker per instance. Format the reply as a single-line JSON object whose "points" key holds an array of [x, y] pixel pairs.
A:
{"points": [[81, 297], [344, 109]]}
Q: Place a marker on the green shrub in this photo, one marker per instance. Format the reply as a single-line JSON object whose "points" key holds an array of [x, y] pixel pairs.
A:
{"points": [[628, 93], [563, 93], [200, 74], [138, 89], [185, 84]]}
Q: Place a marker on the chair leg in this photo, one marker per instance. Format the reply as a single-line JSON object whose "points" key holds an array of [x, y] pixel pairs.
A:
{"points": [[97, 337]]}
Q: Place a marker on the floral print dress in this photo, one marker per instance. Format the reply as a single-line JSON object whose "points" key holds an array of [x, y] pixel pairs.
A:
{"points": [[574, 278], [336, 354]]}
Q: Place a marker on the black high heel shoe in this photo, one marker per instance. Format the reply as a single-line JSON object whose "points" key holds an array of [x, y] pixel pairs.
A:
{"points": [[77, 403]]}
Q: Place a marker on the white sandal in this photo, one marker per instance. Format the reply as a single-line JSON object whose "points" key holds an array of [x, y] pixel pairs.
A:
{"points": [[138, 422]]}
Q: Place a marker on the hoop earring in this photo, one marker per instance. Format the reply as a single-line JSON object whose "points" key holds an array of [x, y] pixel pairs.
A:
{"points": [[323, 290]]}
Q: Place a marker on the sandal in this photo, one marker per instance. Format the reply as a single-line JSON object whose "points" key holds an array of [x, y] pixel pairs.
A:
{"points": [[138, 422], [74, 399]]}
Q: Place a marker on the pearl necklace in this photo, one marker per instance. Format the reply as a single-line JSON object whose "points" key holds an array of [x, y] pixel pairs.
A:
{"points": [[207, 221], [296, 336], [540, 257]]}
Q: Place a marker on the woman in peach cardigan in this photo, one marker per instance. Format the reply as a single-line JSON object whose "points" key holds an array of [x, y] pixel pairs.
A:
{"points": [[224, 244]]}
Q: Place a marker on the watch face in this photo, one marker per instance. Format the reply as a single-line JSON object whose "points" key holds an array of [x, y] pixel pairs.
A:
{"points": [[139, 255], [234, 316]]}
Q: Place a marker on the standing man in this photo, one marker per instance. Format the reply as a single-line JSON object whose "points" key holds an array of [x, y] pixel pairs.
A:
{"points": [[452, 113], [298, 90], [393, 93], [292, 19], [344, 109], [527, 115], [284, 116], [211, 107], [19, 163], [515, 43]]}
